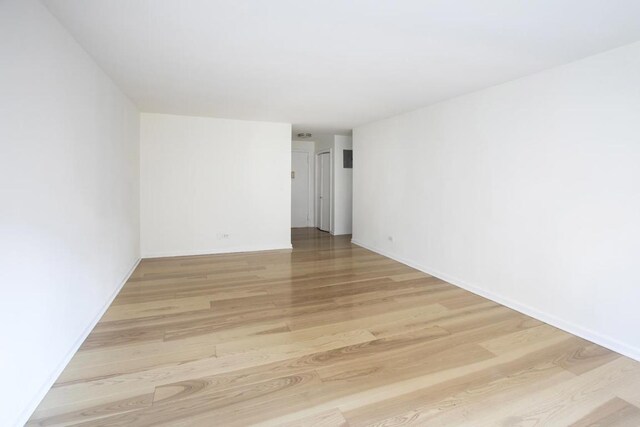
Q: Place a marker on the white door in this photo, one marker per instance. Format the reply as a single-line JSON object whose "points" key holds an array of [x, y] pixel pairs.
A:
{"points": [[299, 189], [324, 192]]}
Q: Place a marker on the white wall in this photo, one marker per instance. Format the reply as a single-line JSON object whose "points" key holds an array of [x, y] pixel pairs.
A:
{"points": [[324, 141], [527, 192], [69, 218], [203, 179], [303, 145], [342, 187], [309, 147]]}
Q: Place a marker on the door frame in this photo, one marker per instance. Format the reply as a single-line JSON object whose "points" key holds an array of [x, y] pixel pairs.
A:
{"points": [[317, 189], [310, 190]]}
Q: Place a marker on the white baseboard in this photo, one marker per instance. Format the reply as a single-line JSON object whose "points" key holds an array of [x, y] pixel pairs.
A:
{"points": [[216, 251], [565, 325], [26, 413]]}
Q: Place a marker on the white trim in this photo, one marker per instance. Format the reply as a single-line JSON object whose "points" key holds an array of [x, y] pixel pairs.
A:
{"points": [[567, 326], [217, 251], [46, 386]]}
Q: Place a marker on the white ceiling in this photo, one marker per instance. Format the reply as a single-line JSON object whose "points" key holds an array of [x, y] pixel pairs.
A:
{"points": [[330, 65]]}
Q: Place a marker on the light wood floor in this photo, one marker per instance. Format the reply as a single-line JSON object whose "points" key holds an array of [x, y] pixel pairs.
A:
{"points": [[328, 335]]}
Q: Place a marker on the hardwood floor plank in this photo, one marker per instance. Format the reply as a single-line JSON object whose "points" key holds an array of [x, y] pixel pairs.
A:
{"points": [[154, 308], [202, 407], [569, 401], [458, 389], [587, 357], [206, 366], [506, 343], [332, 418], [614, 413], [70, 413]]}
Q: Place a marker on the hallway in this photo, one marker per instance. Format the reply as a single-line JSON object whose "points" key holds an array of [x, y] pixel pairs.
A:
{"points": [[333, 334]]}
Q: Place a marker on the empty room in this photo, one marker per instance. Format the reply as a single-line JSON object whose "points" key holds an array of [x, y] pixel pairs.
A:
{"points": [[320, 213]]}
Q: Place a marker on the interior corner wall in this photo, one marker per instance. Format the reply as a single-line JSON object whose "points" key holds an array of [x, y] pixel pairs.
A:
{"points": [[342, 185], [526, 193], [214, 185], [69, 217]]}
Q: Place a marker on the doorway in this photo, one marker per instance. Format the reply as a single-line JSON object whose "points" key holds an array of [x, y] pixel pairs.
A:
{"points": [[323, 192]]}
